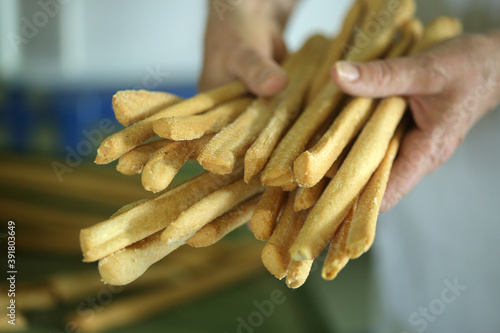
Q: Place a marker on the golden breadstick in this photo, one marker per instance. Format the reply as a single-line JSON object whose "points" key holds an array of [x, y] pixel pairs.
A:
{"points": [[369, 45], [195, 126], [162, 167], [290, 186], [124, 311], [338, 162], [335, 48], [130, 106], [128, 207], [132, 162], [297, 272], [363, 159], [279, 169], [307, 197], [311, 166], [438, 30], [220, 154], [275, 255], [301, 71], [265, 215], [119, 143], [337, 256], [224, 224], [364, 221], [335, 202], [410, 35], [126, 265], [233, 141], [209, 208], [149, 217]]}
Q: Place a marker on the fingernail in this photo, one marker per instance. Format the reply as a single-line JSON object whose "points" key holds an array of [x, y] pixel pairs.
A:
{"points": [[268, 73], [347, 71]]}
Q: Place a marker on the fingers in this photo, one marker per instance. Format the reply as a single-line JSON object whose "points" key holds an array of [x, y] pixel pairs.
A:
{"points": [[263, 75], [416, 75], [409, 167]]}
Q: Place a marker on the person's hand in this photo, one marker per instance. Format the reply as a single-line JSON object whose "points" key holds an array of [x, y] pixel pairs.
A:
{"points": [[245, 42], [449, 87]]}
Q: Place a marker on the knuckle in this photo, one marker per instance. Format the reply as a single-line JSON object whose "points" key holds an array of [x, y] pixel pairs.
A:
{"points": [[433, 72], [383, 73]]}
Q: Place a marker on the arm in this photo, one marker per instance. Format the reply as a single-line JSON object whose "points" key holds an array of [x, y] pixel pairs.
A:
{"points": [[449, 88], [243, 40]]}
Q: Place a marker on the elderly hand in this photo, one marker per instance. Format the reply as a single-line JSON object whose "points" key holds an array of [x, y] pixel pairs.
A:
{"points": [[243, 40], [449, 87]]}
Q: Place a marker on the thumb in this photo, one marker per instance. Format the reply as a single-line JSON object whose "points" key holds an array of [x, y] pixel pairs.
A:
{"points": [[262, 75], [416, 75]]}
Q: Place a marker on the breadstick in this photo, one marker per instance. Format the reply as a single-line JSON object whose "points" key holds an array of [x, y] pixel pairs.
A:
{"points": [[368, 45], [291, 99], [311, 166], [130, 106], [290, 186], [338, 162], [297, 273], [195, 126], [438, 30], [149, 217], [209, 208], [265, 214], [364, 221], [335, 202], [119, 143], [134, 308], [363, 159], [335, 48], [162, 167], [279, 169], [220, 154], [132, 162], [224, 224], [126, 265], [410, 35], [337, 256], [307, 197], [275, 255]]}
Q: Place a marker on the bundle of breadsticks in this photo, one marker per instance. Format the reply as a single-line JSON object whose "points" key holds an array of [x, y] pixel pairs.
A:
{"points": [[308, 167]]}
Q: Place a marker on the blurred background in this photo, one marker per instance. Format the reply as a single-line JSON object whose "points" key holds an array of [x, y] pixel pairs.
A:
{"points": [[61, 61]]}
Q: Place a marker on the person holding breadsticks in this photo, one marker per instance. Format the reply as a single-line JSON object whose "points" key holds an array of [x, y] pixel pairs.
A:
{"points": [[435, 256]]}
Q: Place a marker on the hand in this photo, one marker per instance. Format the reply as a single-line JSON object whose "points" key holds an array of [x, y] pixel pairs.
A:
{"points": [[246, 43], [449, 88]]}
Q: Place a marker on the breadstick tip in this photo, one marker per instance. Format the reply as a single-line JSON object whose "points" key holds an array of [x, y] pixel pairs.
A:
{"points": [[273, 261], [221, 165], [303, 169], [103, 153], [356, 249]]}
